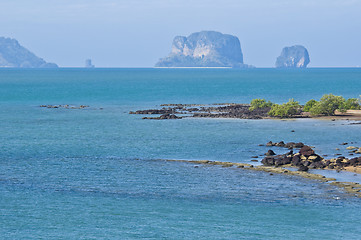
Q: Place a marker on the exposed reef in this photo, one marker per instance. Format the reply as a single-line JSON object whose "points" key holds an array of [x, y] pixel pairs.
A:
{"points": [[298, 164], [350, 187], [211, 111], [65, 106]]}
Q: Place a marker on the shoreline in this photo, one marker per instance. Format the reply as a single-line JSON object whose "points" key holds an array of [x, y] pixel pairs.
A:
{"points": [[233, 110], [352, 115], [349, 187]]}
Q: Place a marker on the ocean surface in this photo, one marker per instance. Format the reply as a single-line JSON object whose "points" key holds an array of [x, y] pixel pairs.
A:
{"points": [[101, 173]]}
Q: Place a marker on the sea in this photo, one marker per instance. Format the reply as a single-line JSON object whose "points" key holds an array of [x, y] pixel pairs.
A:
{"points": [[102, 173]]}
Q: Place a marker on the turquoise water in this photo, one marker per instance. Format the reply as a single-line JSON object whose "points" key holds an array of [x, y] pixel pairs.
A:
{"points": [[100, 173]]}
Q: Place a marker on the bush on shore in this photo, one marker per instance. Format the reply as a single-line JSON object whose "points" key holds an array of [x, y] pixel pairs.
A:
{"points": [[260, 103], [285, 110], [352, 104], [329, 103], [309, 105]]}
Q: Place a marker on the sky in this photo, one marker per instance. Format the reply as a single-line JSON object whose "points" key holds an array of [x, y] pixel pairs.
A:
{"points": [[136, 33]]}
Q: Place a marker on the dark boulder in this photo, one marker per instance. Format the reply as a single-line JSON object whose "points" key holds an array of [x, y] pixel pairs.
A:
{"points": [[354, 162], [268, 161], [290, 145], [296, 160], [315, 158], [289, 153], [303, 168], [270, 153], [299, 145], [306, 163], [316, 165], [286, 160], [306, 151]]}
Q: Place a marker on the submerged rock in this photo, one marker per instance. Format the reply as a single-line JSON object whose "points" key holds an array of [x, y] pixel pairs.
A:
{"points": [[303, 169], [293, 57], [164, 116]]}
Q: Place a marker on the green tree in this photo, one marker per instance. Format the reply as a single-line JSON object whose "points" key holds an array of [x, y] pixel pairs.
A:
{"points": [[285, 110], [328, 104], [309, 105], [352, 104], [260, 103]]}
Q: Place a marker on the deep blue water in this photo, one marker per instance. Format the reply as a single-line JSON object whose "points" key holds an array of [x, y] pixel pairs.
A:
{"points": [[98, 173]]}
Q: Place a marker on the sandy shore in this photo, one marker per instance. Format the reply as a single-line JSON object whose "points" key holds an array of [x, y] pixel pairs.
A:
{"points": [[353, 169], [354, 115]]}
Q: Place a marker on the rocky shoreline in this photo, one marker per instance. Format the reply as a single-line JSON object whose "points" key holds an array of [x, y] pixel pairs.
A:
{"points": [[232, 110], [65, 106], [306, 158], [217, 110]]}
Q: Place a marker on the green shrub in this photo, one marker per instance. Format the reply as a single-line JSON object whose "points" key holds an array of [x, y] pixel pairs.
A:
{"points": [[285, 110], [309, 105], [328, 104], [352, 104], [260, 103]]}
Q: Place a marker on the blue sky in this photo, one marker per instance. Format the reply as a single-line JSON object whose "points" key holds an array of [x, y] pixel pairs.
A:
{"points": [[136, 33]]}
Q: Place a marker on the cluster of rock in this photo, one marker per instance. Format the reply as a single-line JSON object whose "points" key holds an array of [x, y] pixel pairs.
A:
{"points": [[65, 106], [13, 55], [306, 158], [220, 111], [164, 116], [289, 145], [354, 150]]}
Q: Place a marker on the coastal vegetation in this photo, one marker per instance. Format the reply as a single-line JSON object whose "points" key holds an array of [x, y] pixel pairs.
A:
{"points": [[259, 104], [328, 105], [285, 110], [309, 105]]}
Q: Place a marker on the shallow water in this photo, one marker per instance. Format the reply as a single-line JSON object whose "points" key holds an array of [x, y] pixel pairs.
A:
{"points": [[99, 173]]}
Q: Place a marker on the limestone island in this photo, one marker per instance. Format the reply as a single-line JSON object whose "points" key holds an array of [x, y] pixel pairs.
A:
{"points": [[293, 57], [13, 55], [205, 49]]}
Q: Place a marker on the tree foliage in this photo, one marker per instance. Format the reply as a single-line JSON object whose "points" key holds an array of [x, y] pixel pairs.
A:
{"points": [[328, 104], [352, 104], [285, 110], [309, 105], [260, 103]]}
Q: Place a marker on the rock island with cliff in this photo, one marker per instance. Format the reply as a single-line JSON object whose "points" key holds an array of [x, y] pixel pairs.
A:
{"points": [[205, 49], [13, 55], [293, 57]]}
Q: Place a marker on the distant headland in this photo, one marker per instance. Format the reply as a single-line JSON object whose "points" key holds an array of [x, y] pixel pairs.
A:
{"points": [[13, 55]]}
